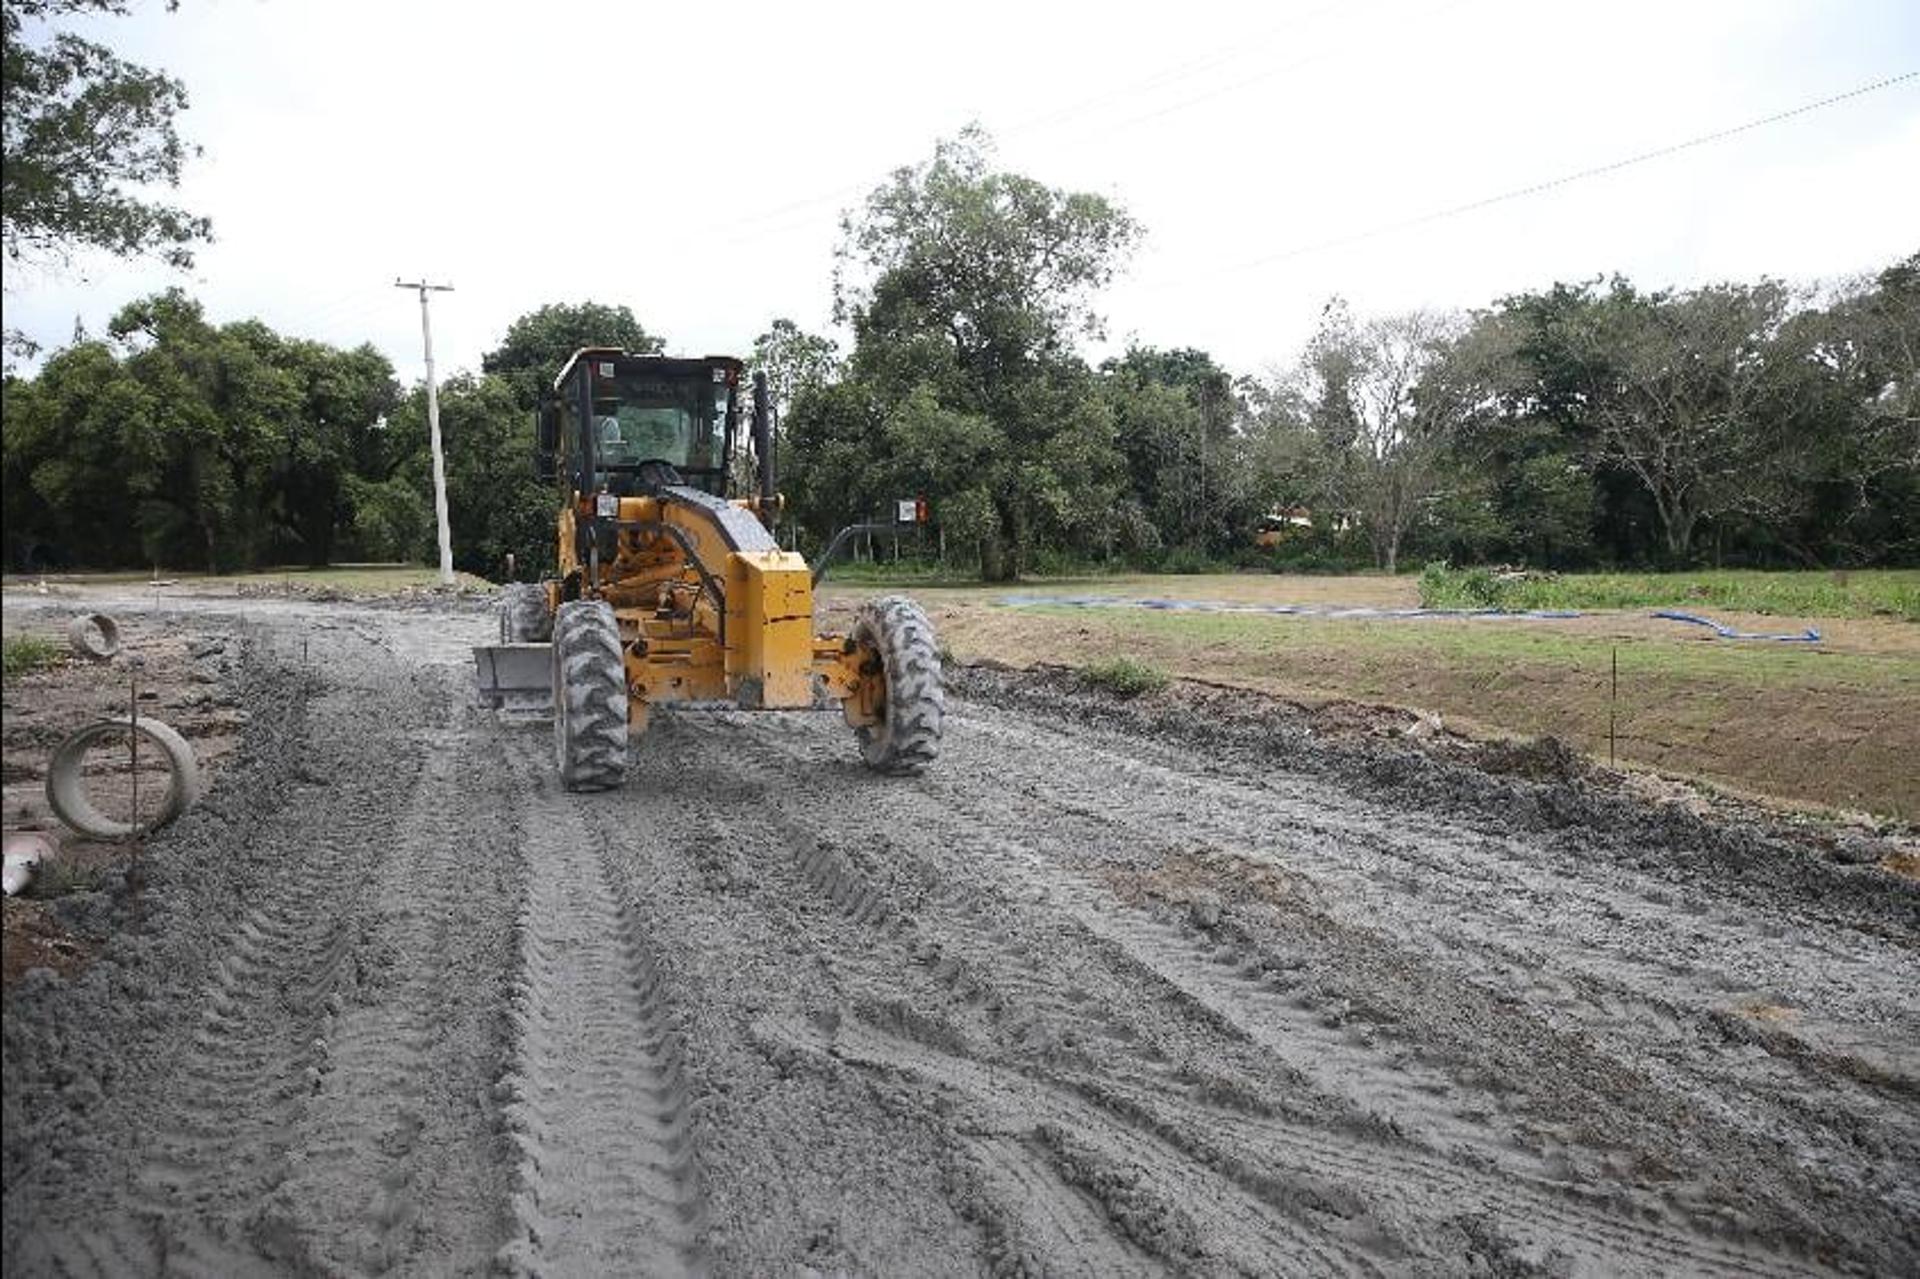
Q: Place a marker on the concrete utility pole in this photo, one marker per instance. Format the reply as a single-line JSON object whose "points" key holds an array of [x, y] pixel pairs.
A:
{"points": [[433, 428]]}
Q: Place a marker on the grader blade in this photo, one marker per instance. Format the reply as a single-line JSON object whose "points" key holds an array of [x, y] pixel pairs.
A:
{"points": [[515, 679]]}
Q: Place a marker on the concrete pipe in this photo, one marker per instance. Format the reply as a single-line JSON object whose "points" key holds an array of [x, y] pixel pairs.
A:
{"points": [[25, 852], [95, 636], [66, 785]]}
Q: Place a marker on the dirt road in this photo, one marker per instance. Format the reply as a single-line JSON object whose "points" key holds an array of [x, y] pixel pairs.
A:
{"points": [[1113, 991]]}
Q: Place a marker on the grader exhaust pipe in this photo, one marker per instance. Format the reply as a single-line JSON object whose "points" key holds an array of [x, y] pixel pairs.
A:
{"points": [[763, 441]]}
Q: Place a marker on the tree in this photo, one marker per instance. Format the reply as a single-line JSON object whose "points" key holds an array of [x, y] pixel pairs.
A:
{"points": [[334, 440], [538, 343], [66, 460], [202, 461], [1391, 397], [1190, 468], [1157, 429], [1675, 385], [970, 285], [832, 434], [215, 445], [1839, 435], [794, 360], [1533, 446], [83, 132], [494, 504]]}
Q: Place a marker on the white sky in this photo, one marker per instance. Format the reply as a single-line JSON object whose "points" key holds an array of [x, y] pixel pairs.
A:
{"points": [[690, 160]]}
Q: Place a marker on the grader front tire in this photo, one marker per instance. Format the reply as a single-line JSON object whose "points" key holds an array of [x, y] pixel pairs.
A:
{"points": [[907, 737], [589, 697]]}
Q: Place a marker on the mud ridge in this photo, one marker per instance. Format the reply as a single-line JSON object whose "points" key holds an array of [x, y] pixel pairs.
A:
{"points": [[1246, 726]]}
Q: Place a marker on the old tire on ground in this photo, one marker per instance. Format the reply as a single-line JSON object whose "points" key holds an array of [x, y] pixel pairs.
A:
{"points": [[907, 738], [94, 636], [589, 697], [66, 786], [523, 614]]}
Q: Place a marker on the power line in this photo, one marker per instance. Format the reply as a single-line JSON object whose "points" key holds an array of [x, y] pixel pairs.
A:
{"points": [[1536, 188], [1218, 57], [1234, 86], [752, 227]]}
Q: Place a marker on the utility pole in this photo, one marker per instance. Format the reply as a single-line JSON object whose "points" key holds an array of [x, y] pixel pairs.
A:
{"points": [[433, 428]]}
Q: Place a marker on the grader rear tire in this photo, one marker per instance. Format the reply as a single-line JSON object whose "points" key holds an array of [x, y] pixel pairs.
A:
{"points": [[523, 614], [907, 738], [589, 697]]}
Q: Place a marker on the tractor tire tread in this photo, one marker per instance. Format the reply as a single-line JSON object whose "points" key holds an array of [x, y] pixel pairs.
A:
{"points": [[907, 742], [589, 697]]}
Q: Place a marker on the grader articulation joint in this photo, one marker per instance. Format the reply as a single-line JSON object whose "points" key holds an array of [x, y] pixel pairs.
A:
{"points": [[669, 588]]}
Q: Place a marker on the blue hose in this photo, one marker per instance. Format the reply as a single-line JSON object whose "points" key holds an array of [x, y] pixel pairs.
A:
{"points": [[1809, 636]]}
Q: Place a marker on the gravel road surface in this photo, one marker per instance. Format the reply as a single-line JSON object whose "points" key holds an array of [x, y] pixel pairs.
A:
{"points": [[1116, 989]]}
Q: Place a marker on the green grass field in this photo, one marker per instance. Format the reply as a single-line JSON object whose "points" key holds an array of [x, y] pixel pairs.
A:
{"points": [[1386, 646], [1800, 594], [1861, 593]]}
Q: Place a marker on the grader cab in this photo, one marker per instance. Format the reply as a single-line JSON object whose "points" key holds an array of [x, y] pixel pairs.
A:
{"points": [[669, 587]]}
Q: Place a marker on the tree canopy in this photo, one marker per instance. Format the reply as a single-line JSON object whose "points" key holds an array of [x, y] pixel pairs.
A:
{"points": [[214, 446], [966, 288], [1587, 422], [538, 343], [84, 131]]}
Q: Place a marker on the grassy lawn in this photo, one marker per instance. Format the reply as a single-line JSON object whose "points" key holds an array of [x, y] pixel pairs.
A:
{"points": [[1832, 725], [1866, 593]]}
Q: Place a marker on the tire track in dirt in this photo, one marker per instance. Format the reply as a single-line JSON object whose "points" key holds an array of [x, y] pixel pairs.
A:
{"points": [[965, 934], [401, 1150], [1521, 883], [1598, 951], [1042, 1225], [975, 833], [607, 1181], [1152, 1194], [1132, 1177], [260, 1048], [803, 1164], [220, 1139], [1419, 1089]]}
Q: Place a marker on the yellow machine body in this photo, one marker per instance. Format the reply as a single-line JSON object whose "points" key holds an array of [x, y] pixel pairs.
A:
{"points": [[755, 647], [667, 589]]}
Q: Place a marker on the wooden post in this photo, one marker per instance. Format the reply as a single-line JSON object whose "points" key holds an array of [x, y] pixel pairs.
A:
{"points": [[1613, 704]]}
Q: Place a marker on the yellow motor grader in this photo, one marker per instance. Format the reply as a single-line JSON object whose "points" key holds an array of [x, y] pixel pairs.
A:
{"points": [[671, 589]]}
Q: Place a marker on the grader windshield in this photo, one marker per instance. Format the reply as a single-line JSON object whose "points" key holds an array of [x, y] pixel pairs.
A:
{"points": [[624, 415]]}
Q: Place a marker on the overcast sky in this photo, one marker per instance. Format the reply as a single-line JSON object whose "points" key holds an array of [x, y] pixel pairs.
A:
{"points": [[690, 160]]}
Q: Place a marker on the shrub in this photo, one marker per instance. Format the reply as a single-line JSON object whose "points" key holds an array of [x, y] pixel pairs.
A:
{"points": [[1124, 676], [1444, 586], [25, 654]]}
